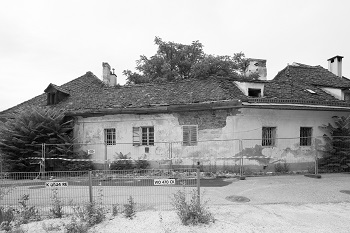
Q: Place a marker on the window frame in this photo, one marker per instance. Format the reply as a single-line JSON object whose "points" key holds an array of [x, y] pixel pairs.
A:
{"points": [[141, 138], [268, 136], [305, 140], [190, 135], [110, 136], [254, 90]]}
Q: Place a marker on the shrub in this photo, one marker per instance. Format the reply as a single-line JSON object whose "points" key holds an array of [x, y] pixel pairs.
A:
{"points": [[123, 162], [90, 213], [281, 168], [129, 208], [141, 164], [57, 208], [191, 213], [7, 216], [26, 214], [115, 209], [76, 226]]}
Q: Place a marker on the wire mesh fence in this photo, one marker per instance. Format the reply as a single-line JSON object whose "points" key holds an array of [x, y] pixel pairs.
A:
{"points": [[150, 189]]}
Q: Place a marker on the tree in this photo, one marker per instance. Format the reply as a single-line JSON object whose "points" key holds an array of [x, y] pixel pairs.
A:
{"points": [[22, 136], [336, 155], [174, 61]]}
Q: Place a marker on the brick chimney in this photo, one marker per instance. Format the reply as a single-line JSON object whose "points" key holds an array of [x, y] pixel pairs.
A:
{"points": [[335, 65], [257, 66], [109, 77]]}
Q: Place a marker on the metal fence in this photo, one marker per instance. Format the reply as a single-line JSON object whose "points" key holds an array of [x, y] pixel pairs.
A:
{"points": [[240, 156], [150, 189]]}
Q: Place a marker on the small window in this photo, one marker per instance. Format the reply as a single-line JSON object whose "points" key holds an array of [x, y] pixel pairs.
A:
{"points": [[268, 136], [110, 137], [305, 136], [254, 92], [143, 136], [189, 135], [347, 96], [51, 98]]}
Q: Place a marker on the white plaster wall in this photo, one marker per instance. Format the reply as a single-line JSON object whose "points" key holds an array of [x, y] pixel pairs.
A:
{"points": [[218, 145], [336, 92], [243, 86]]}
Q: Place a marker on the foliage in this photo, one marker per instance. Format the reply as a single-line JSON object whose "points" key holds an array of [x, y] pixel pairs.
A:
{"points": [[129, 208], [281, 167], [76, 226], [141, 164], [193, 212], [22, 136], [90, 213], [115, 209], [57, 205], [7, 216], [336, 156], [175, 61], [122, 162], [26, 214]]}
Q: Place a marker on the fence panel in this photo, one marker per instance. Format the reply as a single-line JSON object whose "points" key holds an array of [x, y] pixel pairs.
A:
{"points": [[150, 189]]}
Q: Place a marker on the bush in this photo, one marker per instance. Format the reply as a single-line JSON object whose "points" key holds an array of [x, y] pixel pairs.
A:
{"points": [[90, 213], [191, 213], [129, 208], [26, 214], [57, 208], [76, 227], [7, 216], [124, 164], [281, 168]]}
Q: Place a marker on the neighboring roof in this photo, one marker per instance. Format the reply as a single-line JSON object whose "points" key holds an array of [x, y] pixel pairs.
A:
{"points": [[314, 75], [89, 94]]}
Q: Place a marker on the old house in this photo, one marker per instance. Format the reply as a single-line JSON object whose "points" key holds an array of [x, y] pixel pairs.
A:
{"points": [[217, 121]]}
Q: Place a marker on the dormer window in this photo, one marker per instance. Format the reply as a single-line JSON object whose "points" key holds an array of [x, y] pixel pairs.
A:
{"points": [[55, 94], [51, 98], [254, 92]]}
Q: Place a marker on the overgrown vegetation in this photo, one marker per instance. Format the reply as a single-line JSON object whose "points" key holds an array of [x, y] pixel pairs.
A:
{"points": [[281, 168], [129, 208], [22, 136], [175, 61], [336, 156], [193, 212], [11, 218], [124, 162], [56, 210]]}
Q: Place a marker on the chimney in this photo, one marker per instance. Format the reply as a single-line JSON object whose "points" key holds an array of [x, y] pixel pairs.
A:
{"points": [[257, 66], [335, 65], [109, 77]]}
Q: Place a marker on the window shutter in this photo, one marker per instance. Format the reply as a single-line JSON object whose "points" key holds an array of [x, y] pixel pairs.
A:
{"points": [[136, 136], [189, 135]]}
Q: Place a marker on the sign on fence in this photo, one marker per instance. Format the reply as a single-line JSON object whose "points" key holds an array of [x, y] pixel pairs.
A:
{"points": [[164, 181], [56, 184]]}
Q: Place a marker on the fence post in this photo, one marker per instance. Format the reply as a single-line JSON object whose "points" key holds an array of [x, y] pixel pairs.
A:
{"points": [[241, 159], [171, 154], [105, 163], [198, 182], [90, 186], [316, 158]]}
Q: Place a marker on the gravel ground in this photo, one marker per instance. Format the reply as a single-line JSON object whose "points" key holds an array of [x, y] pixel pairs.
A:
{"points": [[331, 217]]}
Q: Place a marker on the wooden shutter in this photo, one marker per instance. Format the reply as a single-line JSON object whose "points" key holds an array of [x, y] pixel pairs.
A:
{"points": [[189, 135], [136, 136]]}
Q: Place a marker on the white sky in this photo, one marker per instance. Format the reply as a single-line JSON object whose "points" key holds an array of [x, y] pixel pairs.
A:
{"points": [[43, 42]]}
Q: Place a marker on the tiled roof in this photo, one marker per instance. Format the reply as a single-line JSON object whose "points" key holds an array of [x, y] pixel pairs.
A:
{"points": [[88, 93], [314, 75]]}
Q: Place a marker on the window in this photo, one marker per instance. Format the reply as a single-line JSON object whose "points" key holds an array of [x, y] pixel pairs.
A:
{"points": [[143, 136], [189, 135], [51, 98], [347, 96], [254, 92], [268, 136], [305, 136], [110, 137]]}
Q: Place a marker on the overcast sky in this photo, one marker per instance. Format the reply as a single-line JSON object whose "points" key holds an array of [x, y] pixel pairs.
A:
{"points": [[43, 42]]}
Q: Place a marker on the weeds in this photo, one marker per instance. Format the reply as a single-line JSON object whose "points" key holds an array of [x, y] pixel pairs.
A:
{"points": [[129, 208], [57, 209], [281, 168], [191, 213], [26, 214], [76, 226], [115, 209]]}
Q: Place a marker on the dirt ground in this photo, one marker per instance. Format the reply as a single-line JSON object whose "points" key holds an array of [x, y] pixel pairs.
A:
{"points": [[277, 204]]}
